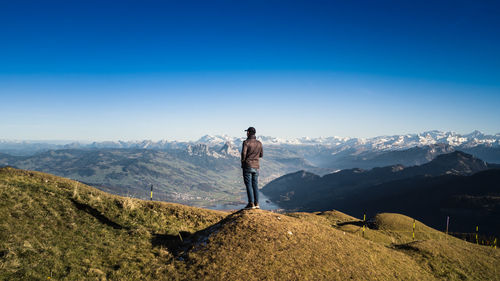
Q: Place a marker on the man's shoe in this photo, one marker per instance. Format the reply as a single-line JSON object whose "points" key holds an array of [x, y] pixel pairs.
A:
{"points": [[250, 206], [256, 206]]}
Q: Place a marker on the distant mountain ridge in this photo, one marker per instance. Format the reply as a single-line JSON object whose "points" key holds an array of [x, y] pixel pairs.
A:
{"points": [[294, 184], [382, 143], [456, 163], [332, 153]]}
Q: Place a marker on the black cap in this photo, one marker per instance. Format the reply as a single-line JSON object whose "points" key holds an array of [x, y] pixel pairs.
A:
{"points": [[251, 130]]}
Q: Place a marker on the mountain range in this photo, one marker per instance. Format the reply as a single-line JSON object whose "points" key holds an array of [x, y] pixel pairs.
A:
{"points": [[380, 143]]}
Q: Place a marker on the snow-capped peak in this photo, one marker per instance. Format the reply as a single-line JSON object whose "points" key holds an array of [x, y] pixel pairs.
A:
{"points": [[395, 142]]}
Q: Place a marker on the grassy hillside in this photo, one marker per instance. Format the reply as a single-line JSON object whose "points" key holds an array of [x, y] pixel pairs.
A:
{"points": [[62, 229], [50, 226]]}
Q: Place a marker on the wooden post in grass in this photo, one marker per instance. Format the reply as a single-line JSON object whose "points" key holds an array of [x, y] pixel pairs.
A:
{"points": [[413, 233], [495, 243], [364, 223], [447, 224], [151, 192], [477, 230]]}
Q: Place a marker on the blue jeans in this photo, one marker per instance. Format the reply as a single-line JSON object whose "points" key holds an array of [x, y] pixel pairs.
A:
{"points": [[251, 178]]}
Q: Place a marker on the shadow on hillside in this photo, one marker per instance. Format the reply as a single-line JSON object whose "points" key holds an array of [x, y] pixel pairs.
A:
{"points": [[369, 224], [406, 246], [179, 244], [174, 243], [96, 214]]}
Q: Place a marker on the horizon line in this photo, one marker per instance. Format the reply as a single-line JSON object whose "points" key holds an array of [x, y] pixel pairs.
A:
{"points": [[69, 141]]}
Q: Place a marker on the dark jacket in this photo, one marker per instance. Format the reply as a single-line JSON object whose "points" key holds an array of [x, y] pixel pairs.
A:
{"points": [[251, 152]]}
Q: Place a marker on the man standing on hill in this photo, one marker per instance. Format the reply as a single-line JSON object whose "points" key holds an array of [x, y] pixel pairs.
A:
{"points": [[250, 154]]}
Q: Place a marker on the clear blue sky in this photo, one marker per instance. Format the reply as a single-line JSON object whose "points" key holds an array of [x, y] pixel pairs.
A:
{"points": [[109, 70]]}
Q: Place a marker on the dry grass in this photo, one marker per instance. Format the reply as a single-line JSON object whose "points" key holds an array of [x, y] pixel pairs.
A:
{"points": [[58, 228], [401, 226], [54, 227], [454, 259], [258, 245]]}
